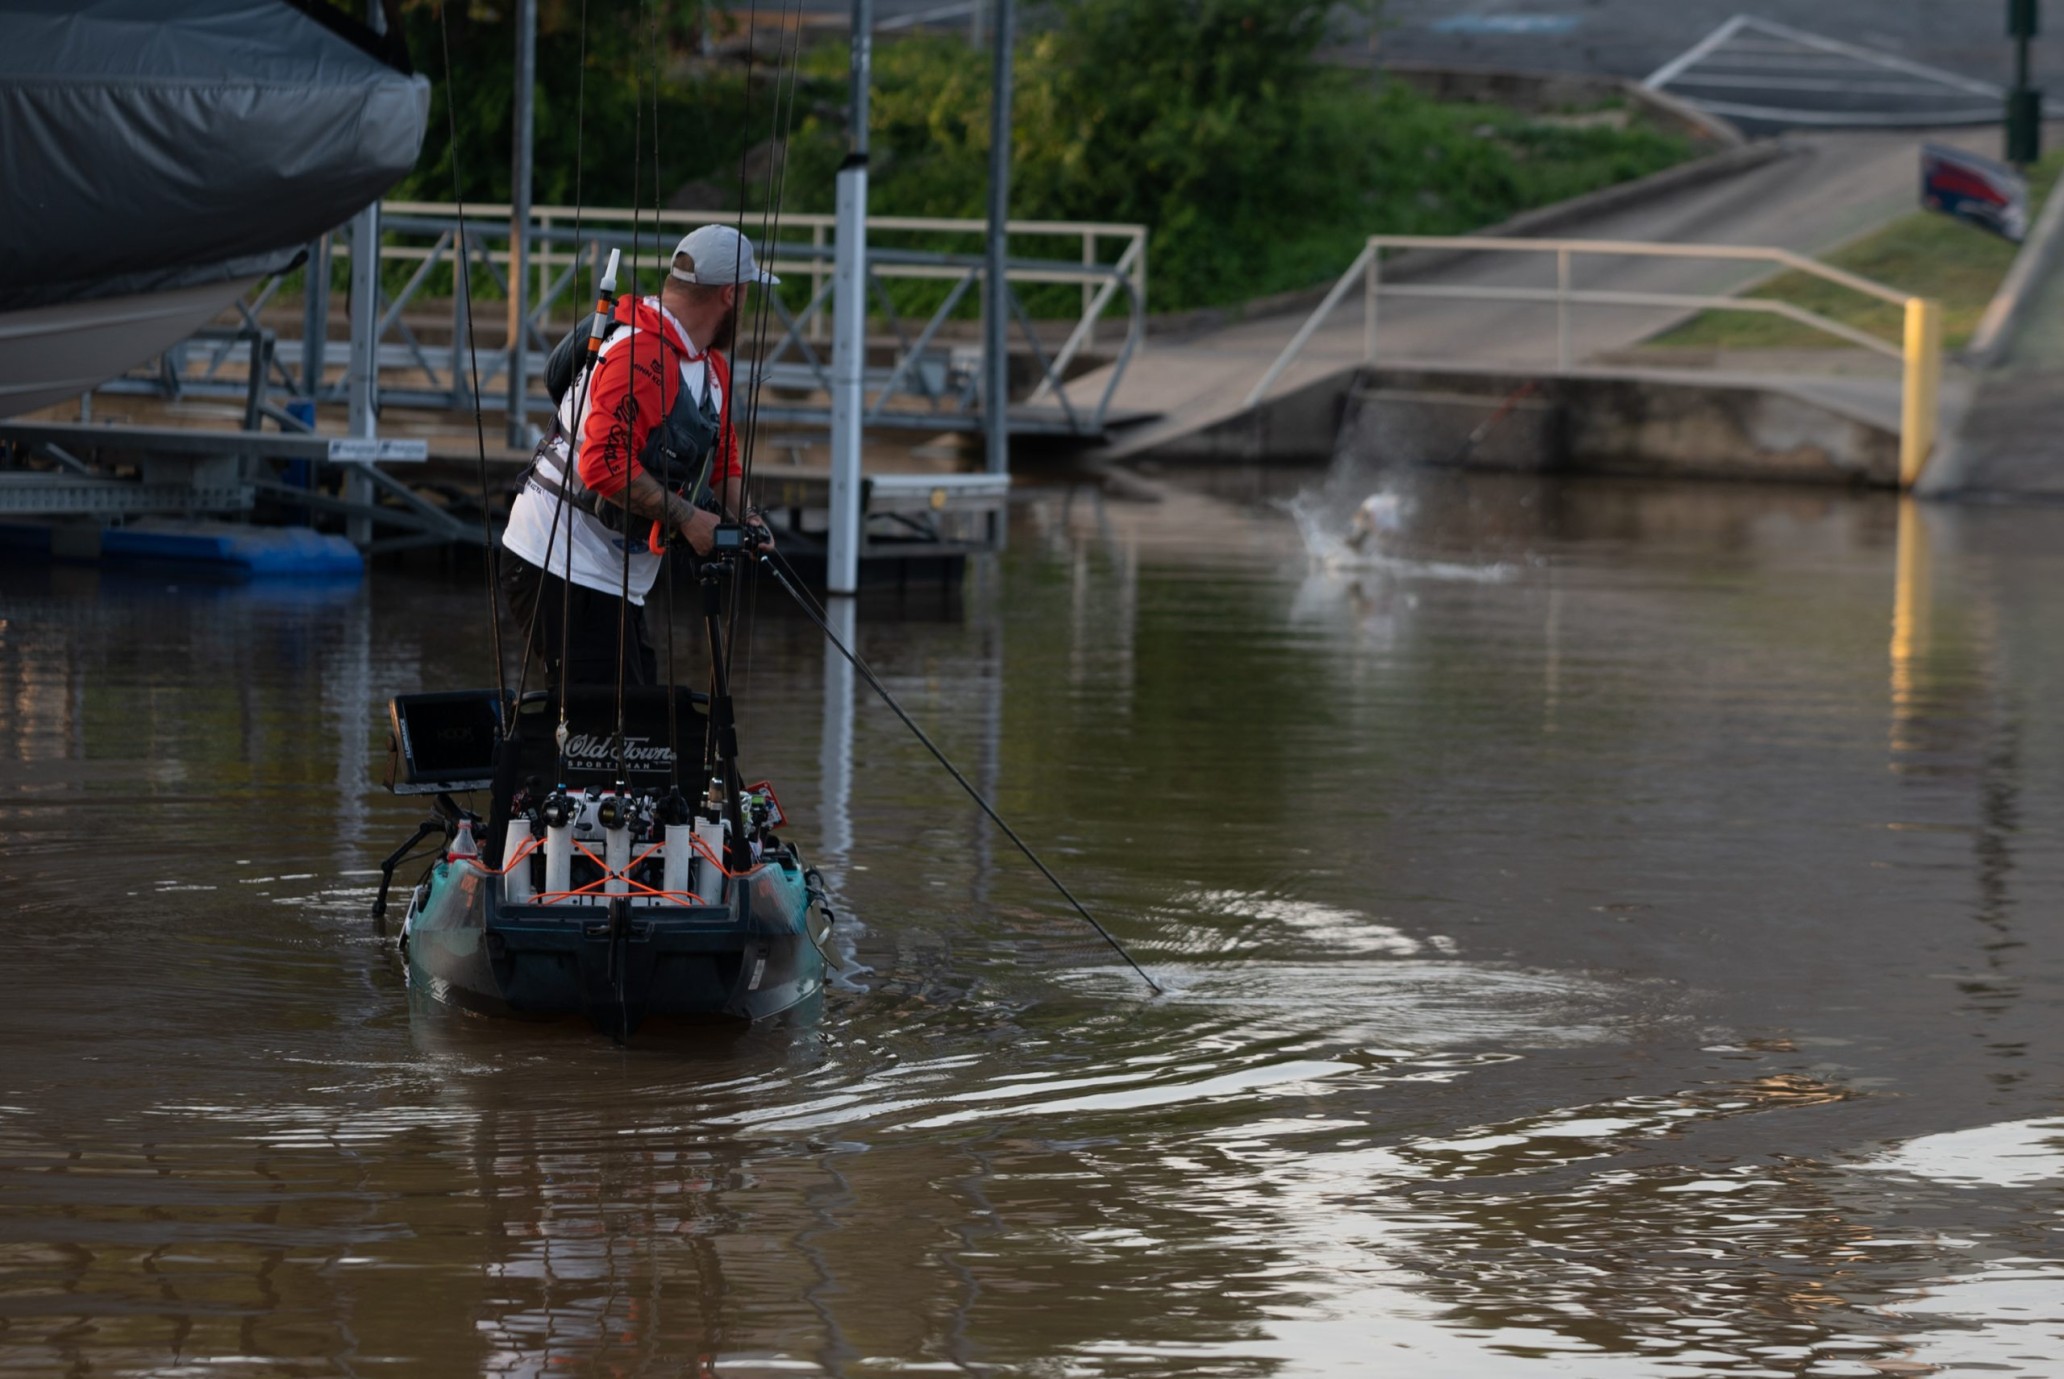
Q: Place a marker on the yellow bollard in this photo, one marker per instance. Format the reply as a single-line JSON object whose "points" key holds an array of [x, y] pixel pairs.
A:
{"points": [[1912, 624], [1920, 412]]}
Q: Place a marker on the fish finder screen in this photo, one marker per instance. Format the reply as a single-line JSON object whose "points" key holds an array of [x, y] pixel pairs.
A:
{"points": [[445, 740]]}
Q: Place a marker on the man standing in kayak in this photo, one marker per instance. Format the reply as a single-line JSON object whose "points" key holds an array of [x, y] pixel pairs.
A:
{"points": [[655, 457]]}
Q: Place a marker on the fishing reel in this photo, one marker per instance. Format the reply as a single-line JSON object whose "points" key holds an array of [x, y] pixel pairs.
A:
{"points": [[558, 809], [616, 811], [740, 538]]}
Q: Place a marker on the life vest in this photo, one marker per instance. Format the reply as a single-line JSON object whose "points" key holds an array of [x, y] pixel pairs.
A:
{"points": [[678, 452]]}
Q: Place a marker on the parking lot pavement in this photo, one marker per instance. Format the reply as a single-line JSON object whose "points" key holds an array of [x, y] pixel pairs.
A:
{"points": [[1634, 37]]}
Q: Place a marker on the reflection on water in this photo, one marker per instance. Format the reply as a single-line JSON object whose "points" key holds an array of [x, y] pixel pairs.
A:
{"points": [[1588, 953]]}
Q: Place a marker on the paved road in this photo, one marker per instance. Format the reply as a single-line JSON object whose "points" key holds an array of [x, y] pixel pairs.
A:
{"points": [[1634, 37], [1836, 186]]}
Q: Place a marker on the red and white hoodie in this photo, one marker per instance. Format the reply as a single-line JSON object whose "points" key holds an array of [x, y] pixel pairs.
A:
{"points": [[642, 370]]}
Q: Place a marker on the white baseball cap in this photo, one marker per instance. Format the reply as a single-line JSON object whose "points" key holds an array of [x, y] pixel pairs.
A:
{"points": [[721, 257]]}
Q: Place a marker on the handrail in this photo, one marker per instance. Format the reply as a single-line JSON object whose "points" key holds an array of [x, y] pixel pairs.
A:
{"points": [[1920, 352], [926, 386], [501, 210], [1647, 249]]}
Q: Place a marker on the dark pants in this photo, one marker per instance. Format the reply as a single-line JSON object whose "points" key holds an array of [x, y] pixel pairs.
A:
{"points": [[577, 632]]}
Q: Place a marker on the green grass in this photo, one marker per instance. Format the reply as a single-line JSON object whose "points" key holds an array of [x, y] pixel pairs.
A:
{"points": [[1924, 254]]}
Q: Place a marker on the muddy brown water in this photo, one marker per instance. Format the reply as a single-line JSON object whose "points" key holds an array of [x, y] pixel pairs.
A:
{"points": [[1615, 932]]}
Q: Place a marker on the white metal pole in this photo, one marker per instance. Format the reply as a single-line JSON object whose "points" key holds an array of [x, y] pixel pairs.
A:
{"points": [[1562, 313], [363, 370], [519, 225], [1372, 291], [996, 287], [365, 361], [849, 326]]}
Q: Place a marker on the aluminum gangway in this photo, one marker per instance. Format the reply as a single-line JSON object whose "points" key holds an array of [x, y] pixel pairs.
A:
{"points": [[1077, 291]]}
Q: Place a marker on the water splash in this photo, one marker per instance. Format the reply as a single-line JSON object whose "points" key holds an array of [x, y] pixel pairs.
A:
{"points": [[1365, 542]]}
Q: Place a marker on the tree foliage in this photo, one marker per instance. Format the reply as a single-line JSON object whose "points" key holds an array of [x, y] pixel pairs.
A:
{"points": [[1256, 166], [602, 89]]}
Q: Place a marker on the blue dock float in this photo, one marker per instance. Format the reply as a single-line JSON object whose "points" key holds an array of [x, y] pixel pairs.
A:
{"points": [[226, 549]]}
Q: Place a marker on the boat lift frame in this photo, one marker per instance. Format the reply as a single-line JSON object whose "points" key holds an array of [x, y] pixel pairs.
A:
{"points": [[190, 472]]}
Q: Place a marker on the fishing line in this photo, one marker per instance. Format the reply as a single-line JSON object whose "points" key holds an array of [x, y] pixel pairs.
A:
{"points": [[665, 533], [770, 223], [1491, 422], [559, 506], [727, 428], [464, 267], [745, 592], [783, 137], [776, 566], [623, 605], [580, 401], [752, 24]]}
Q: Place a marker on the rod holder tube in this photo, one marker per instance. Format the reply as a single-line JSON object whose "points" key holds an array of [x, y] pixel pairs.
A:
{"points": [[680, 853], [709, 878], [559, 859], [516, 887], [616, 855]]}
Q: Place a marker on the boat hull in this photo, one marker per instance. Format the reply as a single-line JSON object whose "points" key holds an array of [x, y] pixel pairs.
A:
{"points": [[621, 962], [52, 354]]}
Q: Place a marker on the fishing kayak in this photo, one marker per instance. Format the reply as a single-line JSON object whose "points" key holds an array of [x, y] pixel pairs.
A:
{"points": [[613, 896]]}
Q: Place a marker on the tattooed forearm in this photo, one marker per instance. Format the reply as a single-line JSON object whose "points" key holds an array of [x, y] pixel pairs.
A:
{"points": [[644, 496]]}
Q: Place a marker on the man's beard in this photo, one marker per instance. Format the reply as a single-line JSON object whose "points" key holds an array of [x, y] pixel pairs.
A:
{"points": [[727, 329]]}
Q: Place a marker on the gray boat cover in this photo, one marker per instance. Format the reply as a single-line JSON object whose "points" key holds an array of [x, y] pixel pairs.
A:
{"points": [[151, 144]]}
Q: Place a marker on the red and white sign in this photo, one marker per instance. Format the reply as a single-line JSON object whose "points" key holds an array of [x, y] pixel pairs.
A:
{"points": [[1989, 195]]}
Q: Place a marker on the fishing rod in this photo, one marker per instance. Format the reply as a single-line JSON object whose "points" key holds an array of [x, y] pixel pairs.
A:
{"points": [[782, 571], [745, 592], [463, 268]]}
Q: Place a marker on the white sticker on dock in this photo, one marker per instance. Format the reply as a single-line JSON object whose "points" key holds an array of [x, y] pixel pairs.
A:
{"points": [[365, 449]]}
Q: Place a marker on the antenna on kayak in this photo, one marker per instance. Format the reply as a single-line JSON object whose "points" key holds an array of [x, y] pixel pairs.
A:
{"points": [[775, 565]]}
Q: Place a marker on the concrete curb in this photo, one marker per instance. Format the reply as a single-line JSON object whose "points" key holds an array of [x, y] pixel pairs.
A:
{"points": [[1537, 223], [1531, 89]]}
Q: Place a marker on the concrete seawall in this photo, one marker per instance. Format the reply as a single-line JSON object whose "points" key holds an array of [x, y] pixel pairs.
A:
{"points": [[1600, 424], [1583, 423]]}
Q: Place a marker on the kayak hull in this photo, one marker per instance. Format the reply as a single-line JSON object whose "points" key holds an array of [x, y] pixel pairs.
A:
{"points": [[619, 961]]}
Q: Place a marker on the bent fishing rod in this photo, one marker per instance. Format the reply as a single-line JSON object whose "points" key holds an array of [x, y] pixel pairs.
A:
{"points": [[782, 573]]}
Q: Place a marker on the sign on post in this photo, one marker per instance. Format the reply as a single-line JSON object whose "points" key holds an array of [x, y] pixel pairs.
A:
{"points": [[1971, 188]]}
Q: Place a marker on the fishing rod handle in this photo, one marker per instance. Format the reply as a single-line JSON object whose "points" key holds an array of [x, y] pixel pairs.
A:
{"points": [[605, 307]]}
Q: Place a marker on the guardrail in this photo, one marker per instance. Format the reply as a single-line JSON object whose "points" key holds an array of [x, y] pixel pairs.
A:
{"points": [[925, 385], [1920, 354]]}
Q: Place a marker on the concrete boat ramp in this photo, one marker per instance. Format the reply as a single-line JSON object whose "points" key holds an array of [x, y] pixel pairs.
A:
{"points": [[1440, 363]]}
